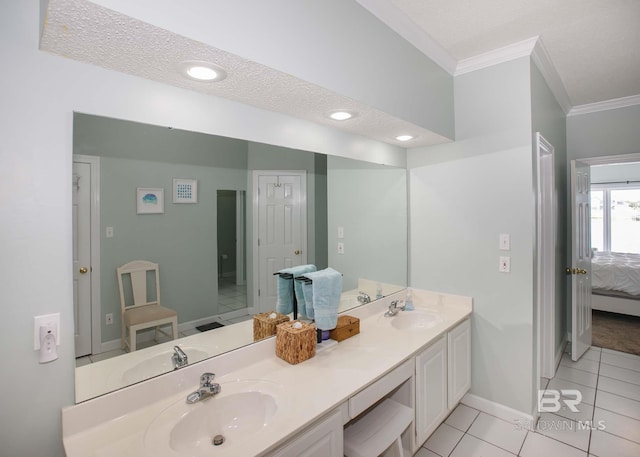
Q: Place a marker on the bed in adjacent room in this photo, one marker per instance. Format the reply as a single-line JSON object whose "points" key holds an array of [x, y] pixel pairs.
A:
{"points": [[615, 282]]}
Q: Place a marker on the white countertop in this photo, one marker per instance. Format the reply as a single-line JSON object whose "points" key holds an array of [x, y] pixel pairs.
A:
{"points": [[115, 424]]}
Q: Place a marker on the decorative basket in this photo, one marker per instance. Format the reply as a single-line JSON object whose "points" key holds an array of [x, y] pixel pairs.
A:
{"points": [[264, 326], [346, 327], [295, 345]]}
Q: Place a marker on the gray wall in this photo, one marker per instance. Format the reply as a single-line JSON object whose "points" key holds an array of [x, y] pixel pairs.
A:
{"points": [[463, 195], [615, 173], [549, 119], [369, 202], [605, 133]]}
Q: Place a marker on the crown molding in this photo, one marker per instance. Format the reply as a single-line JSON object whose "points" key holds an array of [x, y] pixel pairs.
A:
{"points": [[616, 103], [488, 59], [402, 24], [542, 60]]}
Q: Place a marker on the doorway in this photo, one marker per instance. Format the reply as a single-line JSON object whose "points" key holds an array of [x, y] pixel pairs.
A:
{"points": [[279, 229], [232, 290]]}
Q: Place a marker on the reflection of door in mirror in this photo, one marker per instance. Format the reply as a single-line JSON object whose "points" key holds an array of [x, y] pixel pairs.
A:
{"points": [[281, 229], [232, 289], [82, 257]]}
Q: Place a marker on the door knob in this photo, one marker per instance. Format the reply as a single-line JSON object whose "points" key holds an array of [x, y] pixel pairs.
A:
{"points": [[83, 270], [570, 270], [297, 252], [582, 271]]}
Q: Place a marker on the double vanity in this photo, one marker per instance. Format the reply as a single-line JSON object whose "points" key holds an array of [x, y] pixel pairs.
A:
{"points": [[267, 407]]}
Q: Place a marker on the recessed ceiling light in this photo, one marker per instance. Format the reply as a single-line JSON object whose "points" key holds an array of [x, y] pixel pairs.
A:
{"points": [[341, 115], [203, 71], [404, 137]]}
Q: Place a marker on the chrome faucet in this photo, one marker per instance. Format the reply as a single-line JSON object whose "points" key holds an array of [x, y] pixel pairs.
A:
{"points": [[179, 358], [364, 297], [207, 389], [394, 308]]}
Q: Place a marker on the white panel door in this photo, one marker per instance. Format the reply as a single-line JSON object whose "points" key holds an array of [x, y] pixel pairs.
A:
{"points": [[282, 229], [82, 257], [580, 269]]}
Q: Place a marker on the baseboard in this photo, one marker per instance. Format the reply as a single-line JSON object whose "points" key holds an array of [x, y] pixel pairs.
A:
{"points": [[518, 418]]}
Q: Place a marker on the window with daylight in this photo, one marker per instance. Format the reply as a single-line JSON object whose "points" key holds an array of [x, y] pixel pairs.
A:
{"points": [[615, 218]]}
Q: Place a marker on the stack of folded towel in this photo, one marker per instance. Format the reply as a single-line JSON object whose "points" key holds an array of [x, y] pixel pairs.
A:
{"points": [[286, 286], [322, 297]]}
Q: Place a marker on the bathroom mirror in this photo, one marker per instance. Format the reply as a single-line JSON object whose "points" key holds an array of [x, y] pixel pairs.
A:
{"points": [[202, 236]]}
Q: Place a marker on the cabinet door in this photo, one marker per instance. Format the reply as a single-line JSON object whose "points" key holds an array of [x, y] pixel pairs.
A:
{"points": [[322, 439], [431, 389], [459, 358]]}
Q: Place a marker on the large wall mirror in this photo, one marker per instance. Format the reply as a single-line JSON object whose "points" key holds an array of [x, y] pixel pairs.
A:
{"points": [[205, 242]]}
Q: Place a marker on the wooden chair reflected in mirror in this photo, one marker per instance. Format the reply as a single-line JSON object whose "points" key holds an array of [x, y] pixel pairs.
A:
{"points": [[139, 287]]}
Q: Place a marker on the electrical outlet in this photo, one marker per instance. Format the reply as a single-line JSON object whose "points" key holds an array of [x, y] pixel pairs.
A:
{"points": [[108, 319], [49, 321]]}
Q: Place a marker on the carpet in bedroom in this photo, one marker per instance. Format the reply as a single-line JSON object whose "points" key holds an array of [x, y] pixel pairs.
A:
{"points": [[619, 332]]}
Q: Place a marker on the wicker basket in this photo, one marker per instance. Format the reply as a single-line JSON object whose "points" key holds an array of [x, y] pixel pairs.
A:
{"points": [[295, 345], [346, 327], [264, 326]]}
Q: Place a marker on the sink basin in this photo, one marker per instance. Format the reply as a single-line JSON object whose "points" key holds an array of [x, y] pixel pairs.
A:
{"points": [[152, 366], [415, 320], [240, 411]]}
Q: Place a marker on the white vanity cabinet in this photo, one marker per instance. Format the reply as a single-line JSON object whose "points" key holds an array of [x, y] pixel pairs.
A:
{"points": [[458, 362], [431, 389], [321, 439], [443, 376]]}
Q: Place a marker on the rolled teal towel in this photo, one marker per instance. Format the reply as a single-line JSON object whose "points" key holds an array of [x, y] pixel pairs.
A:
{"points": [[327, 290], [284, 304]]}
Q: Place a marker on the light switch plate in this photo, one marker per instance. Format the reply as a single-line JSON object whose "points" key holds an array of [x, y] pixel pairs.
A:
{"points": [[340, 248], [340, 232], [505, 264], [505, 242]]}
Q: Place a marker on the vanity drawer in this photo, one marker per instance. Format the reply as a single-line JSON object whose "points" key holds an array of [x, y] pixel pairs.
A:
{"points": [[370, 395]]}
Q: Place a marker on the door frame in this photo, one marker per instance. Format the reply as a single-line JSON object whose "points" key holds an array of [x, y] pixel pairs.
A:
{"points": [[546, 265], [94, 249], [257, 306]]}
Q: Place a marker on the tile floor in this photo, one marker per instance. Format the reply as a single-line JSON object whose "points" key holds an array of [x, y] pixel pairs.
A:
{"points": [[609, 382]]}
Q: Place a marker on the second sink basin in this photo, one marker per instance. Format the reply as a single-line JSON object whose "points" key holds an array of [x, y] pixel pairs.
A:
{"points": [[242, 409], [415, 320]]}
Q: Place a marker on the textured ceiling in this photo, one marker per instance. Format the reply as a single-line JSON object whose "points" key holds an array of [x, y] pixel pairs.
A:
{"points": [[593, 44], [87, 32]]}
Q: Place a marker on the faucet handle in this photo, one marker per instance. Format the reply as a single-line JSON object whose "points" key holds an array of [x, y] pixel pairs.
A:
{"points": [[206, 379]]}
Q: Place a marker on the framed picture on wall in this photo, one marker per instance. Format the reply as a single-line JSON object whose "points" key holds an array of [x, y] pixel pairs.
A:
{"points": [[150, 200], [185, 190]]}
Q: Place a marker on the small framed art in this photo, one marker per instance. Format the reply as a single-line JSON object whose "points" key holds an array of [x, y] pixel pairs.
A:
{"points": [[150, 200], [185, 190]]}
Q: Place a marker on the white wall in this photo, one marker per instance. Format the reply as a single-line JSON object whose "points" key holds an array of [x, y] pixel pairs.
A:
{"points": [[462, 196], [40, 92]]}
